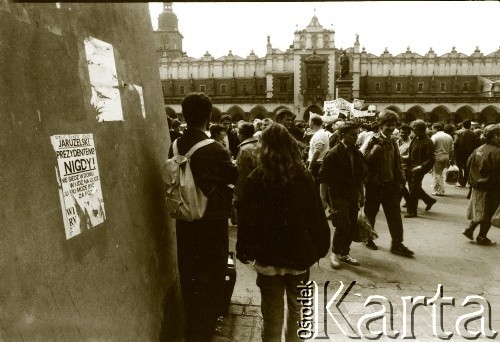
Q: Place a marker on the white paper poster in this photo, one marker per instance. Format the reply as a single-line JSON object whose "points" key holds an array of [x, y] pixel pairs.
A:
{"points": [[106, 97], [79, 183]]}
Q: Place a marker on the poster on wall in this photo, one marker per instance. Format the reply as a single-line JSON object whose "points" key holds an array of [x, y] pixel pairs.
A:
{"points": [[106, 98], [79, 183]]}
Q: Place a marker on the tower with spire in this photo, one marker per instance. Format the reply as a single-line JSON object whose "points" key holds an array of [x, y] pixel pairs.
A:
{"points": [[168, 39]]}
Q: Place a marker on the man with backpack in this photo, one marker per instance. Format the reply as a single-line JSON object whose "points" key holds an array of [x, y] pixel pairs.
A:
{"points": [[203, 244]]}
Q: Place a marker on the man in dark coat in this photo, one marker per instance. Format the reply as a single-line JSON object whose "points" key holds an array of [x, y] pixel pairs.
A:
{"points": [[465, 143], [203, 245], [421, 160], [342, 172], [385, 180]]}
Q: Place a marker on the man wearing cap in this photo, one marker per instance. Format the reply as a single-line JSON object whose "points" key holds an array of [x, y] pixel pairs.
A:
{"points": [[384, 181], [285, 117], [342, 172], [484, 164], [465, 143], [420, 162]]}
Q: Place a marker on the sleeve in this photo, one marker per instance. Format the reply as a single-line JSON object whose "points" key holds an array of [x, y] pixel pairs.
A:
{"points": [[326, 170], [245, 165], [322, 228], [429, 162], [372, 151]]}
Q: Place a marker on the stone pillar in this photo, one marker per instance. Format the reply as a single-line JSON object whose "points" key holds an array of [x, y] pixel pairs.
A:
{"points": [[344, 89]]}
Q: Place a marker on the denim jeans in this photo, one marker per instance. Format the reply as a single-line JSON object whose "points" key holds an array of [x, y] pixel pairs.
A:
{"points": [[272, 291]]}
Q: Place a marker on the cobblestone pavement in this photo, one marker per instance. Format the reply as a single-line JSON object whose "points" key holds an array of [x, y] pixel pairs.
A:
{"points": [[442, 256]]}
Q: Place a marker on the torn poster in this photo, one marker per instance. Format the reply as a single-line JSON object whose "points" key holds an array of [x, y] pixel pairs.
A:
{"points": [[141, 97], [106, 98], [79, 183]]}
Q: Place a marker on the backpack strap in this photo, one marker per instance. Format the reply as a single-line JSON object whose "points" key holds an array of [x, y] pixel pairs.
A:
{"points": [[198, 145]]}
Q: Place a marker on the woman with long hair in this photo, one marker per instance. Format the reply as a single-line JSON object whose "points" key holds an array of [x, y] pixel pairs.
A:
{"points": [[282, 228]]}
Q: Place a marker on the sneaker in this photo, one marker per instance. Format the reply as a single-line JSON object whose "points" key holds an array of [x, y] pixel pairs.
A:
{"points": [[410, 215], [401, 250], [349, 260], [335, 260], [371, 245], [429, 206], [484, 241], [437, 194], [469, 233]]}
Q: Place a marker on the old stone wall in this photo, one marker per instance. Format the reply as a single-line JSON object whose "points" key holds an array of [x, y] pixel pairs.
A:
{"points": [[116, 281]]}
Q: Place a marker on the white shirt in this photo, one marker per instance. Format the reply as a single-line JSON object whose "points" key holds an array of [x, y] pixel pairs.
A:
{"points": [[319, 142], [443, 143]]}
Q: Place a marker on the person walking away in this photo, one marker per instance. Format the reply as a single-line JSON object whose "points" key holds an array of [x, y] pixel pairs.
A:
{"points": [[484, 177], [342, 172], [282, 228], [421, 161], [384, 181], [443, 153], [404, 146], [318, 146], [203, 245], [465, 143], [247, 159]]}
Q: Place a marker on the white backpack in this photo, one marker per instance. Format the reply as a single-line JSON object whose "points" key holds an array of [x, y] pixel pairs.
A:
{"points": [[185, 201]]}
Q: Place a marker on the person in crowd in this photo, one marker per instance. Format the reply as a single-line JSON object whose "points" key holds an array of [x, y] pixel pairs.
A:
{"points": [[404, 146], [443, 154], [247, 159], [362, 135], [421, 161], [484, 177], [342, 172], [465, 143], [218, 133], [375, 129], [257, 124], [265, 123], [318, 146], [203, 245], [231, 140], [281, 227], [175, 129], [285, 118], [384, 181], [450, 129], [335, 136]]}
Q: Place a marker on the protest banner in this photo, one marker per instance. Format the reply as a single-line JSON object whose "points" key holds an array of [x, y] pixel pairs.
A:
{"points": [[79, 182]]}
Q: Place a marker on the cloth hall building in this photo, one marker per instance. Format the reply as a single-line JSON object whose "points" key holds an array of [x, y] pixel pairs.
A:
{"points": [[449, 88]]}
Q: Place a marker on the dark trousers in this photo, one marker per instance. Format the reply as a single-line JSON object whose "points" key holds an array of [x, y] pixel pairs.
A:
{"points": [[272, 291], [345, 221], [463, 171], [416, 191], [202, 252], [315, 173], [491, 203], [387, 194]]}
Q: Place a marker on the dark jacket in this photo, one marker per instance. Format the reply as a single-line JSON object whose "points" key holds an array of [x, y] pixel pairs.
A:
{"points": [[421, 153], [212, 172], [374, 158], [337, 173], [282, 226], [465, 143], [234, 143], [484, 168]]}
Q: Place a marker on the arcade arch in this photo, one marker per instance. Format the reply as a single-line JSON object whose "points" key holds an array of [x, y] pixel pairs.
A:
{"points": [[414, 113], [258, 112], [463, 113], [236, 113], [311, 109], [216, 114], [440, 113], [490, 114]]}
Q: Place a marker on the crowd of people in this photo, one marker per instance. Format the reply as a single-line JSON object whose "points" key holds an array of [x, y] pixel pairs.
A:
{"points": [[281, 182]]}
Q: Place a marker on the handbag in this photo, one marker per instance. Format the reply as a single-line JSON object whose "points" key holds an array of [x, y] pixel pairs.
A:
{"points": [[451, 174], [366, 230]]}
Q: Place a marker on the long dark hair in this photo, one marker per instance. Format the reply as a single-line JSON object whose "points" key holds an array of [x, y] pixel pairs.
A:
{"points": [[280, 155]]}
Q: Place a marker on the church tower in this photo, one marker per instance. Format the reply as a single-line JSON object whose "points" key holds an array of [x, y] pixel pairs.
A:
{"points": [[168, 39]]}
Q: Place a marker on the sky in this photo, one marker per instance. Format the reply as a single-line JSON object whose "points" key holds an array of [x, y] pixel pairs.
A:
{"points": [[244, 26]]}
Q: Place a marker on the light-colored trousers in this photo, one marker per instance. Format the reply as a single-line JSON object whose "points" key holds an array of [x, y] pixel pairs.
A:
{"points": [[442, 163]]}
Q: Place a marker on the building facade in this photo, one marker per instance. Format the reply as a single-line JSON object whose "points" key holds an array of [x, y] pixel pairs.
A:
{"points": [[450, 88]]}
